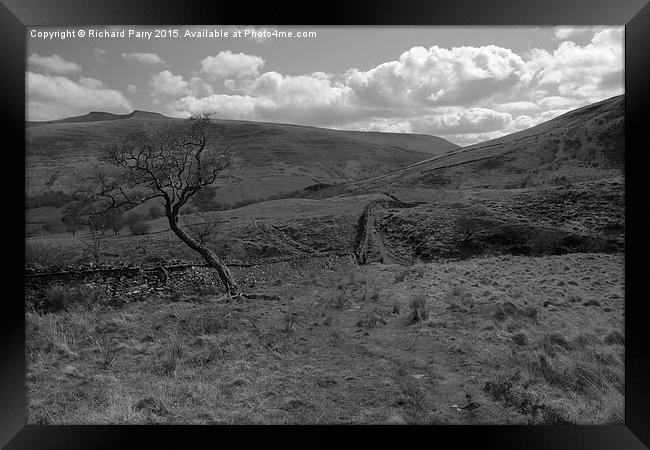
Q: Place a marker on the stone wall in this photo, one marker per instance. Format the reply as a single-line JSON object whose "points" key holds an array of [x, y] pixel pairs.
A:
{"points": [[123, 284]]}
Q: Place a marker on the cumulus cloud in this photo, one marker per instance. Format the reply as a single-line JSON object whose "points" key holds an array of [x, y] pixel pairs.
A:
{"points": [[53, 64], [231, 65], [54, 97], [439, 76], [143, 58], [166, 83], [223, 106], [462, 121], [577, 71]]}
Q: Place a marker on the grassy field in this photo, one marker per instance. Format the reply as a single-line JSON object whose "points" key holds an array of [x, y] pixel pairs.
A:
{"points": [[487, 340]]}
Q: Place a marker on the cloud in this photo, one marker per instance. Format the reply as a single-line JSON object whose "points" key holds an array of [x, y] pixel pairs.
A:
{"points": [[439, 76], [578, 71], [462, 121], [143, 58], [131, 89], [563, 33], [53, 64], [223, 106], [166, 83], [517, 106], [231, 65], [54, 97]]}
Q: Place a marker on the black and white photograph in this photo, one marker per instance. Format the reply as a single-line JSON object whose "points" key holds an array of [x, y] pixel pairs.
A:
{"points": [[317, 225]]}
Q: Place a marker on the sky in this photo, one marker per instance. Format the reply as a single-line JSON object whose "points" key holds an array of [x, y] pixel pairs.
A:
{"points": [[465, 84]]}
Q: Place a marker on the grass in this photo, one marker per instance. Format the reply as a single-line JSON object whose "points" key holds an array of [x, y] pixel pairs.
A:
{"points": [[58, 298], [301, 360], [107, 353], [418, 311]]}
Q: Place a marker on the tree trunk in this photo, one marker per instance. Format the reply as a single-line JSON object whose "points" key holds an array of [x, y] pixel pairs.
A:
{"points": [[209, 256]]}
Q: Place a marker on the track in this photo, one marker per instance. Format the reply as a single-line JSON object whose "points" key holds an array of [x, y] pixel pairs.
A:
{"points": [[369, 237]]}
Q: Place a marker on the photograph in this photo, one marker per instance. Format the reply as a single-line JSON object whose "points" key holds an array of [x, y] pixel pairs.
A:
{"points": [[319, 225]]}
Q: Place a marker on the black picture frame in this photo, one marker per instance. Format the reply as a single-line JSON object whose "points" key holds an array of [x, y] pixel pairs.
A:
{"points": [[16, 15]]}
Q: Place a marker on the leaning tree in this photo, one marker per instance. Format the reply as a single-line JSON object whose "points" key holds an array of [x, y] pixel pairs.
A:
{"points": [[171, 164]]}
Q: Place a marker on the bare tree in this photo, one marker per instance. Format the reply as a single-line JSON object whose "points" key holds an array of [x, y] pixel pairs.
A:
{"points": [[171, 165], [114, 221], [94, 246], [72, 227], [204, 228], [97, 223]]}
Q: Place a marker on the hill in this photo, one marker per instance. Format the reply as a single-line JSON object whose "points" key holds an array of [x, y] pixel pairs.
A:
{"points": [[99, 116], [270, 158], [581, 145]]}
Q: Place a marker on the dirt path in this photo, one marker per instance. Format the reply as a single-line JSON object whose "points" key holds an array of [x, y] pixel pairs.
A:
{"points": [[370, 238]]}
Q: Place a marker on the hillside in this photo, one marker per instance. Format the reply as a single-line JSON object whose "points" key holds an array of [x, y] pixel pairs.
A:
{"points": [[269, 158], [99, 116], [581, 145]]}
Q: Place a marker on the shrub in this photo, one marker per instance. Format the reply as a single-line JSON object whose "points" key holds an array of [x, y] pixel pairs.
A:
{"points": [[155, 212], [37, 252], [51, 226], [139, 228]]}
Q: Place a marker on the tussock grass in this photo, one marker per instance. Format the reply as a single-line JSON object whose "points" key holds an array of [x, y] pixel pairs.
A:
{"points": [[59, 298], [418, 311], [371, 320], [107, 352], [171, 356]]}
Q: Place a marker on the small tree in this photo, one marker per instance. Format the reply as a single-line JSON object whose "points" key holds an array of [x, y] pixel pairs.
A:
{"points": [[94, 246], [171, 165], [71, 227], [114, 221]]}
